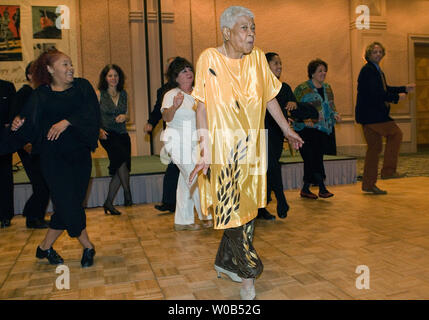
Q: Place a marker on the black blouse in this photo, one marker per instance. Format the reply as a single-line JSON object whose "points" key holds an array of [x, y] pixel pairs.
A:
{"points": [[78, 104], [20, 99], [283, 97]]}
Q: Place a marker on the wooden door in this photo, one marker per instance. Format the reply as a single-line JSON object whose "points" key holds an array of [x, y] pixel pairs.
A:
{"points": [[422, 93]]}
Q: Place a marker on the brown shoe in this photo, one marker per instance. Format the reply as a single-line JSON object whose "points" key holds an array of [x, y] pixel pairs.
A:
{"points": [[374, 190], [189, 227], [309, 195], [395, 175], [325, 194]]}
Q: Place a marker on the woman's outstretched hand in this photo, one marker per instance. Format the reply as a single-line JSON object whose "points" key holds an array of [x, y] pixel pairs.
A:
{"points": [[203, 164], [293, 138], [198, 167]]}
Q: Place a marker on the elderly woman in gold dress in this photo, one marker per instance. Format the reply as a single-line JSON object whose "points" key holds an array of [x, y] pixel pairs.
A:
{"points": [[234, 86]]}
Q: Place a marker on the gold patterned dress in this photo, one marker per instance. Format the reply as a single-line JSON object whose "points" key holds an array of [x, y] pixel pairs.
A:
{"points": [[235, 93]]}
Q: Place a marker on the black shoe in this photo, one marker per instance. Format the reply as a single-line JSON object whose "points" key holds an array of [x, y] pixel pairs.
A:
{"points": [[282, 209], [36, 224], [374, 190], [264, 214], [87, 257], [128, 201], [51, 254], [109, 208], [165, 207], [5, 223]]}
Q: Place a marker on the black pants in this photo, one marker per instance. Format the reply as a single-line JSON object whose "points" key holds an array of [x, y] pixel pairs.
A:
{"points": [[312, 153], [6, 187], [67, 176], [35, 207], [169, 184], [274, 173]]}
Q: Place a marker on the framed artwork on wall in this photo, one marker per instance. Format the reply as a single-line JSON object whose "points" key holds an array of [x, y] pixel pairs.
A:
{"points": [[10, 34], [39, 48], [44, 23]]}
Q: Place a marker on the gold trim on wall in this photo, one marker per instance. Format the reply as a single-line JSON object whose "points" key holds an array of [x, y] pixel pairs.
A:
{"points": [[373, 25], [138, 16]]}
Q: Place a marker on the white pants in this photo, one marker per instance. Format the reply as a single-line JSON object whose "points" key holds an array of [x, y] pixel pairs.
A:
{"points": [[187, 196]]}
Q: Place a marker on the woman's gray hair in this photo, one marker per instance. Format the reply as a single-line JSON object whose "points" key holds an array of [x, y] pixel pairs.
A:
{"points": [[230, 15]]}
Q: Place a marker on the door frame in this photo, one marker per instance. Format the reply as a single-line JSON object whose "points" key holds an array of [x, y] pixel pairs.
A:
{"points": [[414, 39]]}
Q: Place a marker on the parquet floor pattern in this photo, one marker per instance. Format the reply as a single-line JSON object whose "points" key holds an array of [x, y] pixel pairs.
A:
{"points": [[313, 254]]}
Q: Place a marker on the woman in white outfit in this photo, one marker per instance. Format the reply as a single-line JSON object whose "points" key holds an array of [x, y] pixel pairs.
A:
{"points": [[180, 141]]}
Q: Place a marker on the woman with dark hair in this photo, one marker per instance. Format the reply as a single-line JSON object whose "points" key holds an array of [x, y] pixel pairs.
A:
{"points": [[287, 102], [35, 207], [318, 93], [61, 120], [178, 111], [113, 133]]}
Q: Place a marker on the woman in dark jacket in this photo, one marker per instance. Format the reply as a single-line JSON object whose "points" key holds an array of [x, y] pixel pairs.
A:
{"points": [[287, 102], [61, 120]]}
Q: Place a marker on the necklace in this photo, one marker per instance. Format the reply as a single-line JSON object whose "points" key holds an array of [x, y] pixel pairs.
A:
{"points": [[113, 95]]}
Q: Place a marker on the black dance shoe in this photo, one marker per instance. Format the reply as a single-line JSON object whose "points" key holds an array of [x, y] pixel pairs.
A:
{"points": [[51, 254], [165, 207], [5, 223], [87, 257], [128, 201], [36, 224], [264, 214], [109, 208]]}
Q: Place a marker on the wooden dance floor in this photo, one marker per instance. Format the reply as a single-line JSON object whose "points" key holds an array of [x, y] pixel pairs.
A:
{"points": [[313, 254]]}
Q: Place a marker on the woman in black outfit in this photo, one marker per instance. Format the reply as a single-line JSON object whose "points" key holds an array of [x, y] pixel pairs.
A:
{"points": [[35, 207], [287, 102], [113, 133], [61, 119], [7, 93], [291, 110]]}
